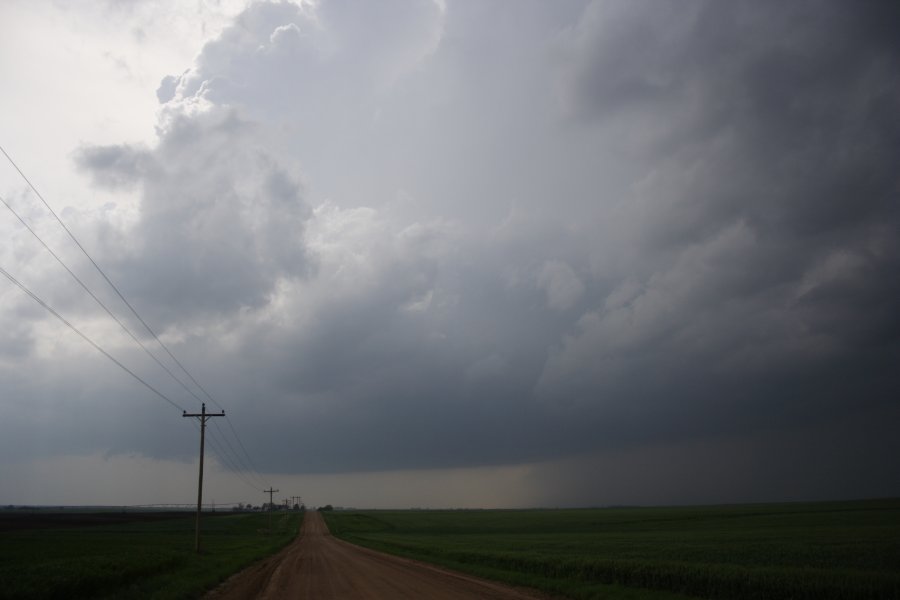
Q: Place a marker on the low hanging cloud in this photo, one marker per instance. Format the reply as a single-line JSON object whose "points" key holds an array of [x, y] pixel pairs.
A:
{"points": [[392, 243]]}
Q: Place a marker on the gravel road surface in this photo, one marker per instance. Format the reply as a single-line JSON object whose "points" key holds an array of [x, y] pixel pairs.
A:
{"points": [[321, 567]]}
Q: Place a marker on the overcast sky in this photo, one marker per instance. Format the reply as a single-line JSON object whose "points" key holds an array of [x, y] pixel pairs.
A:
{"points": [[455, 253]]}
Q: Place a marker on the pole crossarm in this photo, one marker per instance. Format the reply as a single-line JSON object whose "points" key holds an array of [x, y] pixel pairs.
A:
{"points": [[203, 416]]}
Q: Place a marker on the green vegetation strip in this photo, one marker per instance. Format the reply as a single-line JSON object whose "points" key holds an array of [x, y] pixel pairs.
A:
{"points": [[838, 550], [137, 559]]}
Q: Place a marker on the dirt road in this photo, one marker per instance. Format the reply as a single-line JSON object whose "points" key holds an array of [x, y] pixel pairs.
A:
{"points": [[321, 567]]}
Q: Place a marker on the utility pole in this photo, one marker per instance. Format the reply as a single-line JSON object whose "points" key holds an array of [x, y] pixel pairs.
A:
{"points": [[203, 416], [270, 491]]}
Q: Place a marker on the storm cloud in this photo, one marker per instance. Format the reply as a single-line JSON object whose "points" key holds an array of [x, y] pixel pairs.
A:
{"points": [[427, 235]]}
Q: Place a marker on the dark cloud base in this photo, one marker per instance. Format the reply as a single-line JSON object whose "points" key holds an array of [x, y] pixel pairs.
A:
{"points": [[674, 226]]}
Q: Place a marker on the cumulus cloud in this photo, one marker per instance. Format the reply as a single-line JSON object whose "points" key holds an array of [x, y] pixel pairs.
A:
{"points": [[403, 235], [221, 218], [115, 166], [562, 285]]}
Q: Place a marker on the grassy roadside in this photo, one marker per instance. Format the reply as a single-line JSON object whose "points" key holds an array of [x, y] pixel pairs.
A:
{"points": [[137, 560], [841, 550]]}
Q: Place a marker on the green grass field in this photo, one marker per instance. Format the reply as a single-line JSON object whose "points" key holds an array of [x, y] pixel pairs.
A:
{"points": [[845, 550], [137, 559]]}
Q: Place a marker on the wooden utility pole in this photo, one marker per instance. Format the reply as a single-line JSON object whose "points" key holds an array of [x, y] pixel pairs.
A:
{"points": [[270, 491], [203, 416]]}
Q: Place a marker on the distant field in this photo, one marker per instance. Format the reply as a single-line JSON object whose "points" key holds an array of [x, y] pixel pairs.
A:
{"points": [[51, 519], [840, 550], [146, 556]]}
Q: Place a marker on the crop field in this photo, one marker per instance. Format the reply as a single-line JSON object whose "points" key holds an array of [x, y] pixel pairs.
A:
{"points": [[845, 550], [149, 556]]}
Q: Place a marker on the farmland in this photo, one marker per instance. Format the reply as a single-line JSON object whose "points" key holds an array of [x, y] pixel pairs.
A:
{"points": [[139, 556], [841, 550]]}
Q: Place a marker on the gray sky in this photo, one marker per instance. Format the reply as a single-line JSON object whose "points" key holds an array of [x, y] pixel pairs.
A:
{"points": [[456, 253]]}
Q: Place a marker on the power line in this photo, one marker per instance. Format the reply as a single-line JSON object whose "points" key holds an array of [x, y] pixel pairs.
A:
{"points": [[226, 460], [241, 444], [235, 468], [243, 466], [204, 416], [96, 299], [50, 309], [96, 266], [124, 300], [120, 323]]}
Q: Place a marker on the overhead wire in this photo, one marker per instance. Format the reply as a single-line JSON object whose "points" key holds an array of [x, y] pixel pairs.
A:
{"points": [[230, 463], [84, 336], [96, 299], [242, 465], [126, 302], [93, 262], [226, 460]]}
